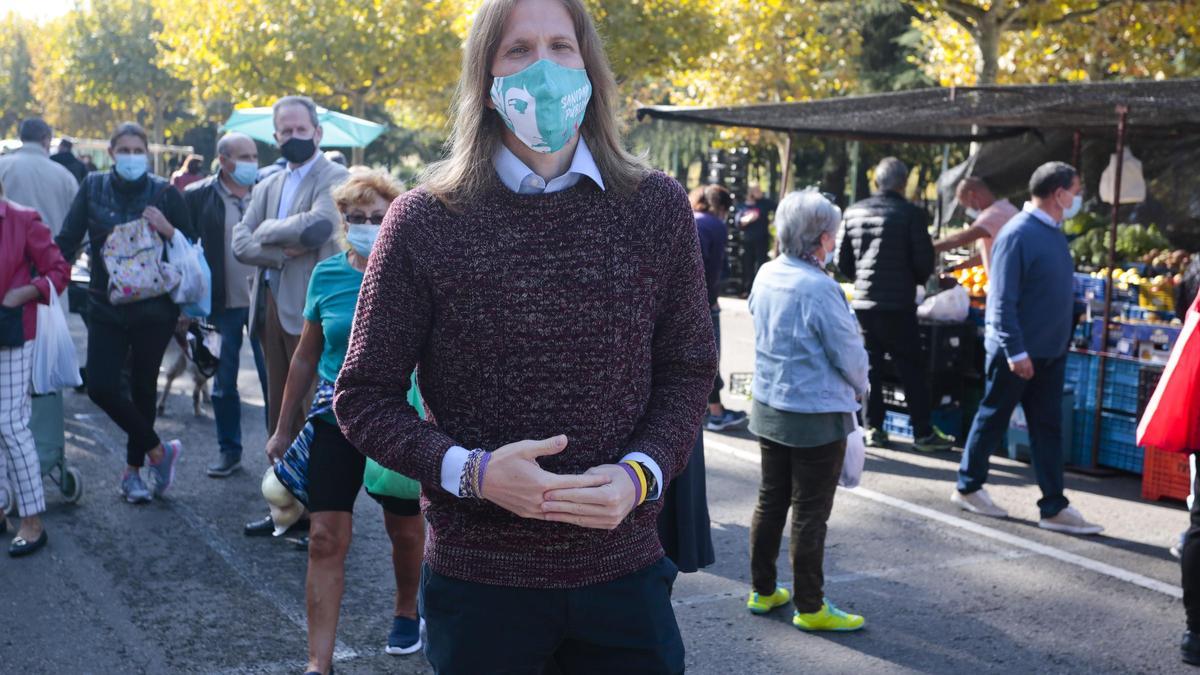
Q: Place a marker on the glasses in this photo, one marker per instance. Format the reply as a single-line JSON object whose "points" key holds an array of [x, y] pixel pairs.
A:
{"points": [[362, 219]]}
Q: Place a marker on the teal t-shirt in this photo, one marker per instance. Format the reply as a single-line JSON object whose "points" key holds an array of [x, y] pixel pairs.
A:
{"points": [[331, 299]]}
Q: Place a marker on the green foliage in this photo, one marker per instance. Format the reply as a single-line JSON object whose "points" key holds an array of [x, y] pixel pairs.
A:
{"points": [[16, 75], [1133, 243]]}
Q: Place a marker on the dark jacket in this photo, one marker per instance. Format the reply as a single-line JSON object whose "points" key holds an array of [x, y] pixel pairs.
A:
{"points": [[104, 201], [713, 236], [885, 248], [207, 210], [72, 164]]}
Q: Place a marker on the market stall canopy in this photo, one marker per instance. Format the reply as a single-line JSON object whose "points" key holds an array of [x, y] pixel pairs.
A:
{"points": [[1168, 108], [341, 130]]}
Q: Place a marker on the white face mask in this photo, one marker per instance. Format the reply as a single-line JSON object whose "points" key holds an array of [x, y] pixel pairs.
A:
{"points": [[1073, 210]]}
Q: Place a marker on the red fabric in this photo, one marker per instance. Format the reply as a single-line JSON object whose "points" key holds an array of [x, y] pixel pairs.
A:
{"points": [[25, 240], [1172, 419]]}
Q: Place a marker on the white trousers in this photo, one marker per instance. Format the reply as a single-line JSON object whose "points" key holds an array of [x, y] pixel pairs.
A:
{"points": [[18, 454]]}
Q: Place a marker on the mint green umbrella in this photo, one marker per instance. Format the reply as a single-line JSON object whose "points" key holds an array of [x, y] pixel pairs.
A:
{"points": [[341, 130]]}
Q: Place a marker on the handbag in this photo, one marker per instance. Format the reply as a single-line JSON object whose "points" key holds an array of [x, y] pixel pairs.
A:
{"points": [[12, 326], [55, 365], [133, 256], [1172, 419]]}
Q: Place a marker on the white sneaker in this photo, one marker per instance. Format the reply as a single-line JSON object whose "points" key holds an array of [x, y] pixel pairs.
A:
{"points": [[1070, 521], [979, 502]]}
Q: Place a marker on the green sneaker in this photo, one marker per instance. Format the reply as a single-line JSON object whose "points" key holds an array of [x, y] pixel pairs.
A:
{"points": [[878, 438], [761, 604], [935, 442], [828, 618]]}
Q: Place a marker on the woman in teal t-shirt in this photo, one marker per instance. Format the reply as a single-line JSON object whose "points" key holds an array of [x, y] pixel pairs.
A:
{"points": [[335, 467]]}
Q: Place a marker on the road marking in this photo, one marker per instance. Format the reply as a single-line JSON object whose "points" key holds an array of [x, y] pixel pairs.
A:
{"points": [[981, 530]]}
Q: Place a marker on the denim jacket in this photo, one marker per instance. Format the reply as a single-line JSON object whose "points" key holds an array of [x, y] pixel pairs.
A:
{"points": [[809, 354]]}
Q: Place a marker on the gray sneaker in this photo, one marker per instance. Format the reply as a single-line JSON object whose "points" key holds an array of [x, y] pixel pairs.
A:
{"points": [[133, 489], [164, 471], [1069, 521]]}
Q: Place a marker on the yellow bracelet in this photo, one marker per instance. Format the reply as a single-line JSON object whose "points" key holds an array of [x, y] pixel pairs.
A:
{"points": [[637, 468]]}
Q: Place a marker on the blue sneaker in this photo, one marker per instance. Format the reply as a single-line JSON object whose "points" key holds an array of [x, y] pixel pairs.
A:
{"points": [[729, 420], [133, 489], [405, 637], [164, 471]]}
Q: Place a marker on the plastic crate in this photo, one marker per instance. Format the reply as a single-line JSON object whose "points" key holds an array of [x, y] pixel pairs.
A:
{"points": [[1117, 446], [893, 395], [897, 424], [1121, 379], [1147, 382], [948, 419], [1079, 372], [1161, 299], [1166, 475]]}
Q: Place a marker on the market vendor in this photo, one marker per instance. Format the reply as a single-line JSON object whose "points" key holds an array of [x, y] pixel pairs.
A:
{"points": [[989, 214]]}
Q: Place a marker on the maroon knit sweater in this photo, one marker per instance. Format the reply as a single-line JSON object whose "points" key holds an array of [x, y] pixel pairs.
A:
{"points": [[580, 312]]}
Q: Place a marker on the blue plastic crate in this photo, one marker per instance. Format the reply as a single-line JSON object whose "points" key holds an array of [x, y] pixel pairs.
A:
{"points": [[1118, 448], [897, 424], [1079, 370], [950, 420], [1120, 386]]}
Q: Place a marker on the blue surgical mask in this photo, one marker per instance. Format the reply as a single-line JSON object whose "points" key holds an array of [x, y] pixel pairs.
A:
{"points": [[1073, 210], [829, 257], [543, 105], [130, 167], [245, 173], [362, 238]]}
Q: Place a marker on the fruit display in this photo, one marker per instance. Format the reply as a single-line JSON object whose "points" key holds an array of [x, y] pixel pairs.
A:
{"points": [[1154, 291], [974, 279]]}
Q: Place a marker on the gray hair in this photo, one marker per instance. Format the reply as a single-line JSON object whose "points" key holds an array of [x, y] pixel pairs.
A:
{"points": [[802, 217], [891, 175], [305, 101], [229, 139]]}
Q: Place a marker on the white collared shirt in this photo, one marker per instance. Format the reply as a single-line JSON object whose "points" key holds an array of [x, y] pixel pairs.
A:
{"points": [[1041, 215], [519, 178], [291, 185], [522, 180]]}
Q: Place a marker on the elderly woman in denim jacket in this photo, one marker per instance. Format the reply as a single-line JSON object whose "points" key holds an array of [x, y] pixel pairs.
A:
{"points": [[810, 374]]}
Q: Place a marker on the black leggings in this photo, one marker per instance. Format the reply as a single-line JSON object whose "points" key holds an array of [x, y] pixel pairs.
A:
{"points": [[137, 334], [1191, 566]]}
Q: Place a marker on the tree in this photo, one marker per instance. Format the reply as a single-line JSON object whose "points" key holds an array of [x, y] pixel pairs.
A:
{"points": [[16, 75], [112, 59], [988, 23], [347, 55]]}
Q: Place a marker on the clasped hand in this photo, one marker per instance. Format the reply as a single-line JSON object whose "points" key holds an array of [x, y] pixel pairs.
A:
{"points": [[599, 498]]}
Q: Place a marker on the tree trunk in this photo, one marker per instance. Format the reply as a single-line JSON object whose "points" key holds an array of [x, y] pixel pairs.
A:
{"points": [[987, 37], [788, 178]]}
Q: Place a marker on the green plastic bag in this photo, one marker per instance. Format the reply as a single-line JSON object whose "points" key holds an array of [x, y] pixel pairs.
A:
{"points": [[385, 482]]}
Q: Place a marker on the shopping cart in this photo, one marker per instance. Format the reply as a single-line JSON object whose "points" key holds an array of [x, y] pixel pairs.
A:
{"points": [[46, 422]]}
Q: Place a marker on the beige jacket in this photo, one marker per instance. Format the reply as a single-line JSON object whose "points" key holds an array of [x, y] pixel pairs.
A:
{"points": [[261, 238], [32, 179]]}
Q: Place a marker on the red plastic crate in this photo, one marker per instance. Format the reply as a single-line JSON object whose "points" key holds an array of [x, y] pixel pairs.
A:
{"points": [[1165, 475]]}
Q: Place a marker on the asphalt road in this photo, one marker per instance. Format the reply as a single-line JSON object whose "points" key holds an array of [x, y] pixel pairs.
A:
{"points": [[175, 587]]}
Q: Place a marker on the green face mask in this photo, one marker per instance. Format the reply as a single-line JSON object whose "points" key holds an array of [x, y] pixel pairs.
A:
{"points": [[544, 104]]}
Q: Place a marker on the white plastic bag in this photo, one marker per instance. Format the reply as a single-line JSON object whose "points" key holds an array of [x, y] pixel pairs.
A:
{"points": [[55, 365], [194, 282], [953, 305], [856, 457]]}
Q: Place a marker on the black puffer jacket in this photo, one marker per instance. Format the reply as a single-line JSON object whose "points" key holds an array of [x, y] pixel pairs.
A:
{"points": [[207, 210], [885, 248]]}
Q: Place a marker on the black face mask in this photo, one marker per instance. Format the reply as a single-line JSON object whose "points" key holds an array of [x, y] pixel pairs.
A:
{"points": [[298, 150]]}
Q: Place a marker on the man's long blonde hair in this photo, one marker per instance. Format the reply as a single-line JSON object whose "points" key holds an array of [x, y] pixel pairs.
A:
{"points": [[467, 172]]}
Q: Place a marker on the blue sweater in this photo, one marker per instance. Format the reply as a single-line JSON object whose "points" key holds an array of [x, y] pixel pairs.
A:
{"points": [[1032, 294], [713, 236]]}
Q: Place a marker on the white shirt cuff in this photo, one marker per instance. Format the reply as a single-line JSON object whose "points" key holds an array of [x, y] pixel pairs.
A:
{"points": [[1023, 356], [453, 464], [644, 459]]}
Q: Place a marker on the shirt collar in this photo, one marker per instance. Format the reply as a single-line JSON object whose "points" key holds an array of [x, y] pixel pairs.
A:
{"points": [[223, 189], [304, 168], [1041, 215], [33, 149], [519, 178]]}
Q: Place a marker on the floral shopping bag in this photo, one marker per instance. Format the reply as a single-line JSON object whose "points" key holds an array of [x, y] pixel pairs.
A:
{"points": [[133, 255]]}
